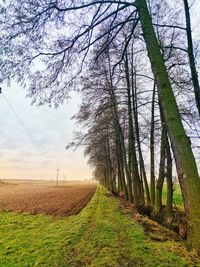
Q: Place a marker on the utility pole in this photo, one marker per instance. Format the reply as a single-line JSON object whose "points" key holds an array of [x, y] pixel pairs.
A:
{"points": [[57, 177], [64, 178]]}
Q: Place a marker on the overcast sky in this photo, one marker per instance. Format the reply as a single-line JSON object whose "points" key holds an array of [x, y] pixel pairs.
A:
{"points": [[38, 153]]}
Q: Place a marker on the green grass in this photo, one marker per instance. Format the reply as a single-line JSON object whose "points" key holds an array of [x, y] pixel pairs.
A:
{"points": [[101, 235], [177, 196]]}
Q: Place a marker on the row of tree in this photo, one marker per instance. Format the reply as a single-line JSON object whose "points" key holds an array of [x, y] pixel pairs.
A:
{"points": [[125, 114], [139, 84]]}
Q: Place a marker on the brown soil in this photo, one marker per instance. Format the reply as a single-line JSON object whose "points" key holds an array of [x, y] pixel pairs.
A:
{"points": [[46, 199]]}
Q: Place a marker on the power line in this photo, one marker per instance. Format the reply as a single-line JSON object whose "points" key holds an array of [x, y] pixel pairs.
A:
{"points": [[22, 124], [16, 134], [18, 118]]}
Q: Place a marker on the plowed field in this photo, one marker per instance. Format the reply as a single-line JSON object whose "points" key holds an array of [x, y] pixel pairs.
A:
{"points": [[46, 199]]}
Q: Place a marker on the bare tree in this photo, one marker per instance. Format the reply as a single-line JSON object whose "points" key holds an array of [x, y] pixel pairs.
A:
{"points": [[28, 40]]}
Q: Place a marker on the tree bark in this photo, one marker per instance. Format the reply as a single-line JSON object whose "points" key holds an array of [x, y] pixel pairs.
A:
{"points": [[169, 205], [152, 156], [190, 51], [132, 153], [185, 161], [137, 133], [121, 175], [119, 133], [161, 177]]}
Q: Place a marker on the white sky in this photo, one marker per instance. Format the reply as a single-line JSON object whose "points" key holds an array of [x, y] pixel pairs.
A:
{"points": [[50, 129]]}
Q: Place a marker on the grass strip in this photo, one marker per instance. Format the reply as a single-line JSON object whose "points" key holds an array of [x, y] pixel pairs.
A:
{"points": [[101, 235]]}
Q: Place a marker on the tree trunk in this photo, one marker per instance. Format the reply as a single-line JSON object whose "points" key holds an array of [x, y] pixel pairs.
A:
{"points": [[185, 161], [137, 133], [106, 178], [190, 51], [119, 133], [132, 153], [152, 156], [122, 149], [161, 177], [121, 175], [109, 164], [169, 205]]}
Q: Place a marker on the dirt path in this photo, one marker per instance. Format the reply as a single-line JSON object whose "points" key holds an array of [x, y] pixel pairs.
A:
{"points": [[44, 199]]}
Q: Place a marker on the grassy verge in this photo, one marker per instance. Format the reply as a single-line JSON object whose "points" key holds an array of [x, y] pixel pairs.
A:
{"points": [[101, 235]]}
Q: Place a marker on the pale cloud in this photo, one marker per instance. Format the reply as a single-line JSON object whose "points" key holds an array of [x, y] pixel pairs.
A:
{"points": [[39, 152]]}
